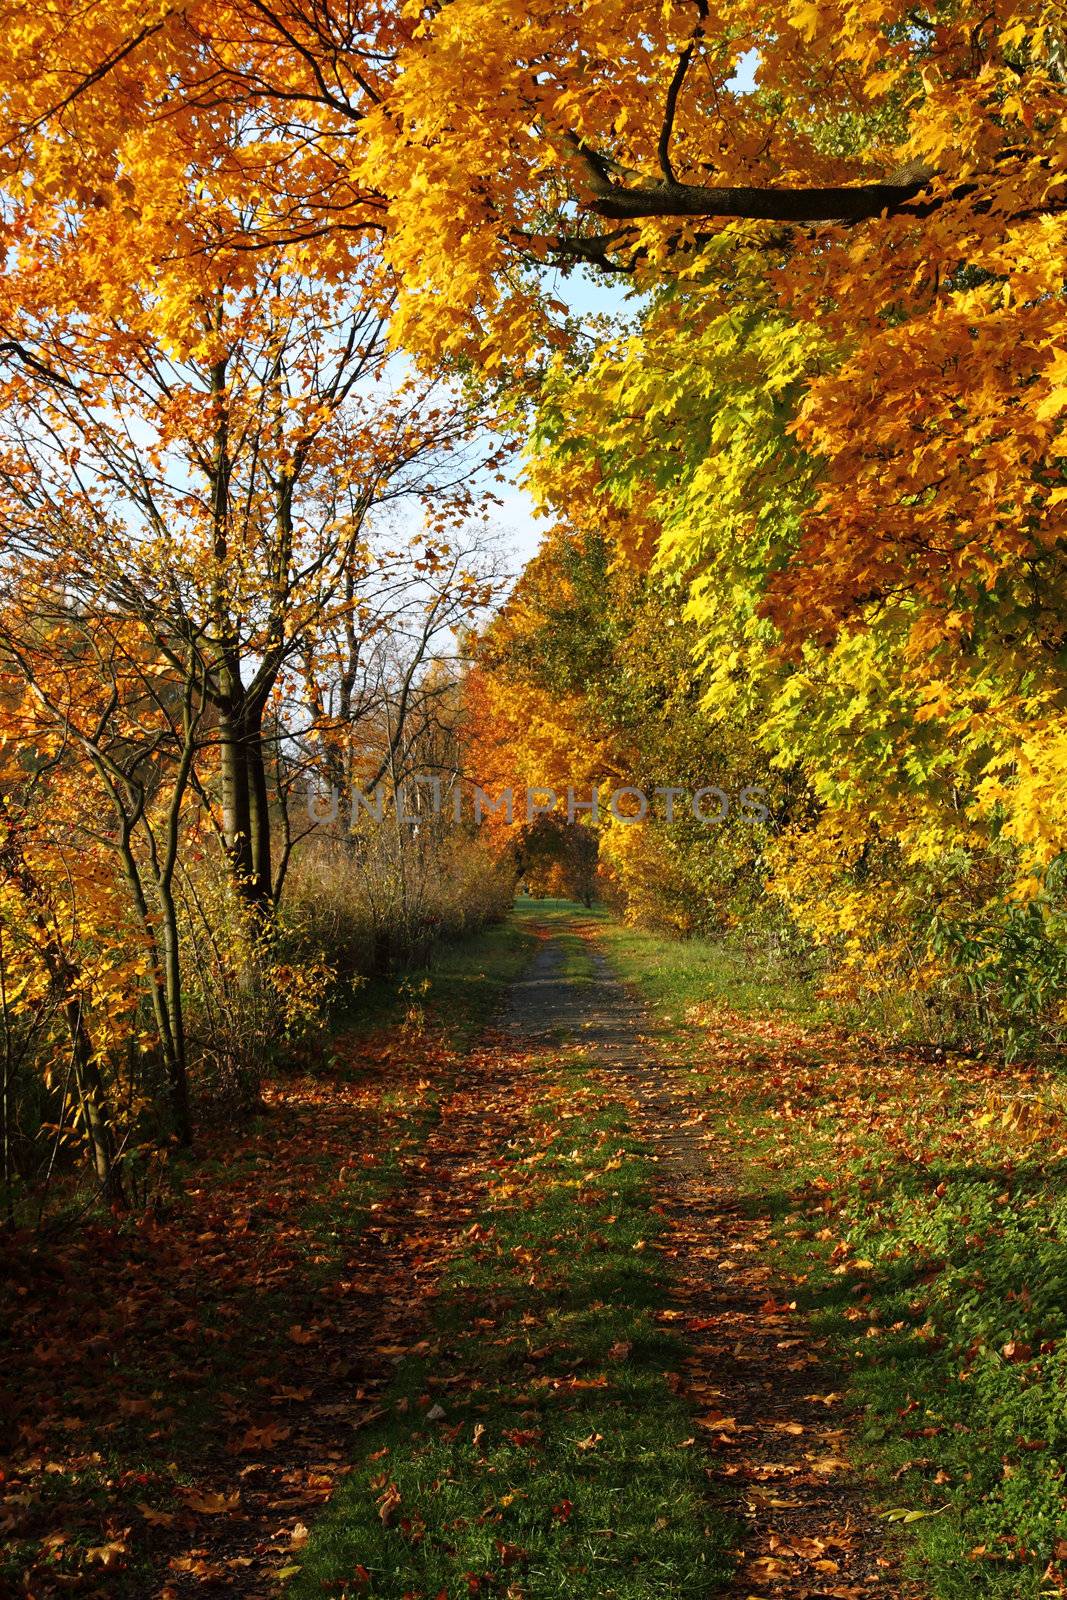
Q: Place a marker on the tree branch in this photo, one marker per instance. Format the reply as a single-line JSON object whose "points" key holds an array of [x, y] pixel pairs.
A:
{"points": [[41, 369], [675, 89], [626, 202], [763, 204], [100, 71]]}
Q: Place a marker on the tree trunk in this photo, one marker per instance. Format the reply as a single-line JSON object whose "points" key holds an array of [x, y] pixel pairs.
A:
{"points": [[92, 1094], [174, 1044], [236, 802], [259, 810], [164, 980]]}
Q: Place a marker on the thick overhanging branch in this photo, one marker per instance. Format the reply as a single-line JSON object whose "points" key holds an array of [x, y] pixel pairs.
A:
{"points": [[763, 204], [667, 197]]}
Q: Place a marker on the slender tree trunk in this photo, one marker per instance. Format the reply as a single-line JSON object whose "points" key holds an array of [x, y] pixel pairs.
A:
{"points": [[259, 809], [9, 1064], [92, 1094], [236, 800], [177, 1077], [164, 982], [164, 883]]}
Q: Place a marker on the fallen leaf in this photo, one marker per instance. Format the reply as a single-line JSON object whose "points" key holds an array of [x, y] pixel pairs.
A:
{"points": [[388, 1504], [108, 1555], [150, 1514], [264, 1438], [210, 1505]]}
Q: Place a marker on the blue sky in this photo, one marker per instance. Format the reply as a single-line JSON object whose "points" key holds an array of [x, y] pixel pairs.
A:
{"points": [[587, 293]]}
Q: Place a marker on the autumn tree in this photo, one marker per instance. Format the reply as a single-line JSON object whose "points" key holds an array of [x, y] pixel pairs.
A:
{"points": [[371, 688], [587, 682], [926, 715], [67, 974], [204, 455], [197, 473], [88, 696]]}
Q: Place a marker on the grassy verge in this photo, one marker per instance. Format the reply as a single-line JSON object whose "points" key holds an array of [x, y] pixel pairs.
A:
{"points": [[675, 975], [920, 1212], [456, 990], [535, 1447]]}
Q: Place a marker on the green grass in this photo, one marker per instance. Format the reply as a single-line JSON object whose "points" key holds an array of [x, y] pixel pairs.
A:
{"points": [[675, 974], [577, 965], [961, 1393], [560, 1467], [458, 988], [930, 1251], [957, 1425]]}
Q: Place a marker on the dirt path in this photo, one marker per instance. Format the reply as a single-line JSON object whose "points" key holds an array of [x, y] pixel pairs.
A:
{"points": [[313, 1339], [763, 1398]]}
